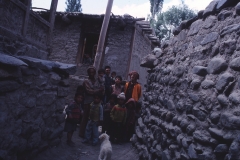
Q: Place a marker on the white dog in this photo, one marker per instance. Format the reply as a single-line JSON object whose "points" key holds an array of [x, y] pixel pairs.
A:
{"points": [[106, 148]]}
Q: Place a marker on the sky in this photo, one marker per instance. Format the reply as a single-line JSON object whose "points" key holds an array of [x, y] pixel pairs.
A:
{"points": [[135, 8]]}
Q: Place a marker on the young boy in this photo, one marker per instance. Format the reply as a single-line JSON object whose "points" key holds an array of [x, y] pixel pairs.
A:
{"points": [[74, 113], [117, 88], [113, 75], [95, 118], [118, 116]]}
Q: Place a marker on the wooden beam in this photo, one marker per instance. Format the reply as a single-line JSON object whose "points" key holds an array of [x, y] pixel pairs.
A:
{"points": [[102, 36], [53, 9], [26, 18]]}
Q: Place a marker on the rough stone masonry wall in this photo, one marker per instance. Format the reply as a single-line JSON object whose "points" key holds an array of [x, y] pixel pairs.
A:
{"points": [[191, 106], [32, 98]]}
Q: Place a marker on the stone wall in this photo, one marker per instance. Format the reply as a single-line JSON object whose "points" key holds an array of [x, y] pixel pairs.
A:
{"points": [[12, 40], [32, 98], [191, 102], [117, 53]]}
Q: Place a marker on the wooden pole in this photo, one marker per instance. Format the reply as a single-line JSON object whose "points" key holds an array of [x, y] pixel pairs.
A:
{"points": [[83, 49], [53, 9], [26, 18], [102, 36]]}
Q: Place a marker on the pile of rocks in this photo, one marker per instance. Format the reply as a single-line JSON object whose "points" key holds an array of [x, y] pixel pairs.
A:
{"points": [[32, 98], [191, 106]]}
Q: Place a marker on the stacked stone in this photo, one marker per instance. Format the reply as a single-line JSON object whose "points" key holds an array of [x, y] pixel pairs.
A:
{"points": [[191, 106], [32, 99]]}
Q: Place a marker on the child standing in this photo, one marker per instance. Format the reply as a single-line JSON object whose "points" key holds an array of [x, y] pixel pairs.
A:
{"points": [[113, 75], [117, 88], [107, 109], [118, 116], [131, 118], [74, 113], [95, 118]]}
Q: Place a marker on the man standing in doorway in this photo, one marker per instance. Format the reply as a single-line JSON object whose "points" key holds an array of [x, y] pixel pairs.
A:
{"points": [[107, 83]]}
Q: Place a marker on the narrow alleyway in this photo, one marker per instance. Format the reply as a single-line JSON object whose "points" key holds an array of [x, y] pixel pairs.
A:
{"points": [[85, 152]]}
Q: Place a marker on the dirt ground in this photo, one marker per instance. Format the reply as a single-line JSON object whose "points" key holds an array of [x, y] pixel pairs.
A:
{"points": [[85, 152]]}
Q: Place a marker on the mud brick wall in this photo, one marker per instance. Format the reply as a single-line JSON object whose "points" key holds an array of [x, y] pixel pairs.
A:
{"points": [[65, 41], [191, 105], [32, 98], [141, 47]]}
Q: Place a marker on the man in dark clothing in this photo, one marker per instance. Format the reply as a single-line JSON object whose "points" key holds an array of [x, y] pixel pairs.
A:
{"points": [[107, 84]]}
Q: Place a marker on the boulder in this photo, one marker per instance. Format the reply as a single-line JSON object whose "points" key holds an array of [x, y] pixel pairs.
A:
{"points": [[221, 148], [229, 29], [199, 70], [230, 121], [178, 71], [210, 37], [200, 14], [216, 65], [223, 81], [195, 84], [200, 114], [223, 100], [224, 14], [210, 9], [206, 84], [148, 61], [235, 64], [214, 117], [191, 152], [235, 97], [194, 97], [228, 47], [195, 27], [209, 22], [225, 3]]}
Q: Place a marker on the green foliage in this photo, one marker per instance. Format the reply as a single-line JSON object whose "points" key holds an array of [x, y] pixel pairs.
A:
{"points": [[170, 19], [155, 7], [73, 6]]}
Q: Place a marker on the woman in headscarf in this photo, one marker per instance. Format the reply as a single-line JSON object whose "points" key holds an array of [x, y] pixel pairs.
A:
{"points": [[91, 87]]}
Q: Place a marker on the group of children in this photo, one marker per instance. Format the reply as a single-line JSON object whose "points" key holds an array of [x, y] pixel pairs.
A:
{"points": [[116, 112]]}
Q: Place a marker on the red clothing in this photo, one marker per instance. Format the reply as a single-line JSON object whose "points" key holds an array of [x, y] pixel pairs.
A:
{"points": [[119, 113]]}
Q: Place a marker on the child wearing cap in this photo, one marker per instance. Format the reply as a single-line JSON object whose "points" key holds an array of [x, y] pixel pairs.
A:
{"points": [[118, 115]]}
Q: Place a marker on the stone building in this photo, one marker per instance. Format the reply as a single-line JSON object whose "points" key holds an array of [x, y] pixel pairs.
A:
{"points": [[128, 39]]}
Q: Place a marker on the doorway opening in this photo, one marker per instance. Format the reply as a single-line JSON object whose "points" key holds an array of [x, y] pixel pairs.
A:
{"points": [[89, 48]]}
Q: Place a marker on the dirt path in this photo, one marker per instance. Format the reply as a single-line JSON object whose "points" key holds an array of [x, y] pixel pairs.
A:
{"points": [[84, 152]]}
